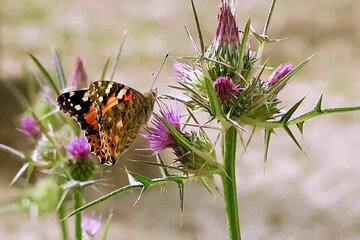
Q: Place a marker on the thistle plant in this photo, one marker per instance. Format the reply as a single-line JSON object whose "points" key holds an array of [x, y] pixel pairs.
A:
{"points": [[228, 82], [55, 175], [239, 93]]}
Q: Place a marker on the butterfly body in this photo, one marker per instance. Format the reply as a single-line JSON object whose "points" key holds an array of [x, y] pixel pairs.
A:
{"points": [[111, 114]]}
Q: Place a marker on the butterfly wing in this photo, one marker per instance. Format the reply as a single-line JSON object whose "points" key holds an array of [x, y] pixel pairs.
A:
{"points": [[121, 113], [78, 105]]}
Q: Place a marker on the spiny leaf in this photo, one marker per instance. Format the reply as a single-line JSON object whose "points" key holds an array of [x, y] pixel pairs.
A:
{"points": [[181, 194], [193, 43], [59, 68], [267, 142], [245, 36], [268, 17], [205, 184], [202, 46], [45, 73], [318, 104], [105, 233], [19, 173], [288, 131], [62, 199], [117, 56], [127, 188], [300, 126], [104, 71], [140, 179], [286, 117], [15, 153]]}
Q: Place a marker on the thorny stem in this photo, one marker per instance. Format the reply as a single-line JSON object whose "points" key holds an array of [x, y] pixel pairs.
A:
{"points": [[229, 184], [77, 204], [63, 227]]}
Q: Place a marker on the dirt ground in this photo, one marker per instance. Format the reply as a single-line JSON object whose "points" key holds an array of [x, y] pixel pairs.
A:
{"points": [[312, 196]]}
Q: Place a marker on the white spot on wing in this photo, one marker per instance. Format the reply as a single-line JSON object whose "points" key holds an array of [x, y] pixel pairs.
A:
{"points": [[101, 99], [78, 107], [71, 94]]}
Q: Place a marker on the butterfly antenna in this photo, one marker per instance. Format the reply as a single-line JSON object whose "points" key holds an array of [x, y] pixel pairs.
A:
{"points": [[162, 65]]}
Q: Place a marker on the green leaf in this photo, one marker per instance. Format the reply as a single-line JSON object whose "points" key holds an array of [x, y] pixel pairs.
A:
{"points": [[59, 68], [202, 46], [286, 117], [117, 56], [245, 37], [105, 233], [206, 185], [45, 73], [104, 71]]}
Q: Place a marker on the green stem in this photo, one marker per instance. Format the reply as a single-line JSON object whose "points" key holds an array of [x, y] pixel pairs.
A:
{"points": [[77, 204], [63, 226], [229, 184]]}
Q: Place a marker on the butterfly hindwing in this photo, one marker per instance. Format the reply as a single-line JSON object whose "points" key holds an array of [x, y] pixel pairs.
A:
{"points": [[78, 105], [111, 115], [120, 126]]}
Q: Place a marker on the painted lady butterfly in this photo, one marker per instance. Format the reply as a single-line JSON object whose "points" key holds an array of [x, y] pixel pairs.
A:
{"points": [[111, 114]]}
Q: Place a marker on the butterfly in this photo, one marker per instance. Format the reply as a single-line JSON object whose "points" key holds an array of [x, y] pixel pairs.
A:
{"points": [[111, 114]]}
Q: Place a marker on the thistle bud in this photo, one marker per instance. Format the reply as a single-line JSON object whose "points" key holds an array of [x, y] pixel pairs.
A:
{"points": [[225, 88], [279, 73], [224, 47], [29, 127], [78, 77], [160, 138], [82, 168], [79, 148], [227, 31], [91, 225]]}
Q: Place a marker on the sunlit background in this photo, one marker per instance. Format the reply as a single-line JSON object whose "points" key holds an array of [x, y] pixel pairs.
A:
{"points": [[298, 196]]}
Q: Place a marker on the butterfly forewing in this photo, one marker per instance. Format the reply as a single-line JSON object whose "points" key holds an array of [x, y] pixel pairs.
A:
{"points": [[111, 115]]}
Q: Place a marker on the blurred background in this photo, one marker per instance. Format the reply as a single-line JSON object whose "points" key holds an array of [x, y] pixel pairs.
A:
{"points": [[313, 196]]}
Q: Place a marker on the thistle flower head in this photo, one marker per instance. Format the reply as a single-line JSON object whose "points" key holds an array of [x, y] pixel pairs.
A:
{"points": [[225, 88], [159, 136], [279, 73], [227, 31], [78, 148], [91, 226], [78, 77], [29, 127]]}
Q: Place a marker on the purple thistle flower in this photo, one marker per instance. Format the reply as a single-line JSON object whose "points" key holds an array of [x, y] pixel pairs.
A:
{"points": [[78, 77], [159, 136], [225, 88], [29, 127], [227, 31], [182, 71], [78, 147], [91, 225], [279, 73]]}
